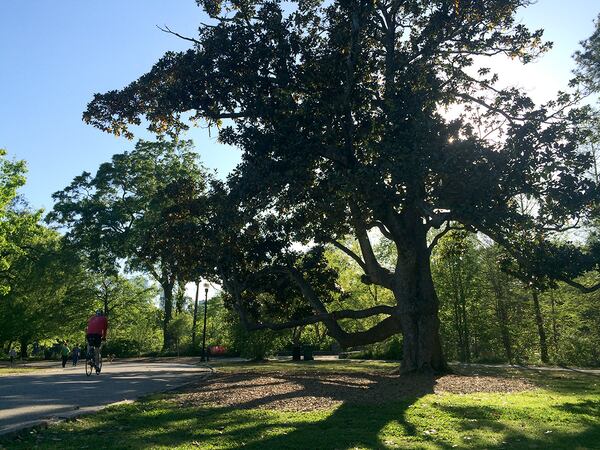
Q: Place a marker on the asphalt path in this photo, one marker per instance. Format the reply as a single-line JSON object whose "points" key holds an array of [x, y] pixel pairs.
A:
{"points": [[52, 394]]}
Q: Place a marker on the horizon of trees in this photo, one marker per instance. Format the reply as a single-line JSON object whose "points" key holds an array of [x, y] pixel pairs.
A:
{"points": [[487, 314]]}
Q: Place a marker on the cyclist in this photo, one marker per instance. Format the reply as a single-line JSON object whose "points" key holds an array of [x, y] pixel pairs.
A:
{"points": [[96, 333]]}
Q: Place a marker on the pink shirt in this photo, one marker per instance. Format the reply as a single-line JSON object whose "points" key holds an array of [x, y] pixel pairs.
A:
{"points": [[97, 325]]}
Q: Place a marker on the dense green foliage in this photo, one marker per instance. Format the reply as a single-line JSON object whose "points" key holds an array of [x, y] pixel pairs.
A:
{"points": [[489, 316], [48, 290], [143, 208], [12, 176]]}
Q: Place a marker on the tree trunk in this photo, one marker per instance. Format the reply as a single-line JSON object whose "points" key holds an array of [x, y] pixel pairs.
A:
{"points": [[540, 326], [418, 309], [554, 325], [168, 339], [502, 314], [23, 342], [465, 332]]}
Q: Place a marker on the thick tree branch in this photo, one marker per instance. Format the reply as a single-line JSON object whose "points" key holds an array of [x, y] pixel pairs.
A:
{"points": [[318, 318], [581, 287], [521, 259], [381, 226], [374, 270], [441, 234], [350, 253]]}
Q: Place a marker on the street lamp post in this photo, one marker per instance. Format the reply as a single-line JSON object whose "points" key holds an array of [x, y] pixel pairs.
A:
{"points": [[204, 356], [195, 316]]}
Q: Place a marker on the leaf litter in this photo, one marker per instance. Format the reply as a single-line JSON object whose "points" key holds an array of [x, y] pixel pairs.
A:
{"points": [[310, 391]]}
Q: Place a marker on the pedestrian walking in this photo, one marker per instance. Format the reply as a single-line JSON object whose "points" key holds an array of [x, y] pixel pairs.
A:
{"points": [[13, 354], [76, 352], [64, 353]]}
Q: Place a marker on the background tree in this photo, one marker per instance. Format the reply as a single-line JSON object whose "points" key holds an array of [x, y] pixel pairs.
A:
{"points": [[12, 176], [336, 107], [455, 269], [138, 208], [588, 60], [51, 292]]}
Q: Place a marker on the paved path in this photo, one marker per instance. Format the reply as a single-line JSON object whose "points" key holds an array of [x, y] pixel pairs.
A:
{"points": [[34, 397]]}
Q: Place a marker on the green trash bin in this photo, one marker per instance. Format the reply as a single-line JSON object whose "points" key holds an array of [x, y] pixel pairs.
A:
{"points": [[308, 354], [296, 353]]}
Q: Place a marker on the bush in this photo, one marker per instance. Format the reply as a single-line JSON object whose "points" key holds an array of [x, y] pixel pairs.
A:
{"points": [[390, 349], [578, 350], [257, 345], [123, 347]]}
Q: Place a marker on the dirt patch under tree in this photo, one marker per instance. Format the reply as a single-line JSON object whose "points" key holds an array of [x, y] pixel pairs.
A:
{"points": [[309, 391]]}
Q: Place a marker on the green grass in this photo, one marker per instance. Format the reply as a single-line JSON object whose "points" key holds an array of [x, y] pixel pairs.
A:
{"points": [[562, 413], [17, 370]]}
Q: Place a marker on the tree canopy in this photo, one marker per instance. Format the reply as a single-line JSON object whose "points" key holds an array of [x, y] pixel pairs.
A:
{"points": [[143, 208], [339, 110]]}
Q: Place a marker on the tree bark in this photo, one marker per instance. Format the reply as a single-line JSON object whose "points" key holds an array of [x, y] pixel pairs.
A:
{"points": [[540, 326], [502, 314], [168, 339], [418, 307], [23, 343], [554, 325], [504, 331]]}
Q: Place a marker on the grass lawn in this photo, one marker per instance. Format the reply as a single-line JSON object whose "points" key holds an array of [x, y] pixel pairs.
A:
{"points": [[558, 410], [17, 370]]}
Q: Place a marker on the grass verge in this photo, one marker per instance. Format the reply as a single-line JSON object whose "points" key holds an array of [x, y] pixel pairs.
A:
{"points": [[17, 370]]}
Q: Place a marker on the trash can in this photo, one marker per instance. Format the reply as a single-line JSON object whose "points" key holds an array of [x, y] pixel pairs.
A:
{"points": [[296, 353], [308, 354]]}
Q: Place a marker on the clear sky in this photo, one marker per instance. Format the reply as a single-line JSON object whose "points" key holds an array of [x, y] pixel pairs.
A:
{"points": [[55, 55]]}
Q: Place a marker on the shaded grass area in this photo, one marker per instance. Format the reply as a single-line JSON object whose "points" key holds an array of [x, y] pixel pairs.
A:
{"points": [[563, 412]]}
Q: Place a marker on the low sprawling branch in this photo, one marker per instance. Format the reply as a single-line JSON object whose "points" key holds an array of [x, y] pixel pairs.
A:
{"points": [[317, 318], [583, 288]]}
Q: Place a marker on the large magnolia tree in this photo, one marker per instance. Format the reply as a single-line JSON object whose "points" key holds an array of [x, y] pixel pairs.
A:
{"points": [[339, 110]]}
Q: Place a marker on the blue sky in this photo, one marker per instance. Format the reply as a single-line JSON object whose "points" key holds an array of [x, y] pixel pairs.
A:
{"points": [[56, 55]]}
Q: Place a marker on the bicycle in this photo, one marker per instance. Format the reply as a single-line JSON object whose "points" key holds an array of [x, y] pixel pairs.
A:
{"points": [[90, 360]]}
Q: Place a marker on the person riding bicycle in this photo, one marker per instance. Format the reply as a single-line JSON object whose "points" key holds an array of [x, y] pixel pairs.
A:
{"points": [[96, 333]]}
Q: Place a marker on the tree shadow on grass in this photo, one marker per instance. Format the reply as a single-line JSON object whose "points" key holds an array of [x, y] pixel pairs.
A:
{"points": [[355, 422], [368, 411], [360, 411]]}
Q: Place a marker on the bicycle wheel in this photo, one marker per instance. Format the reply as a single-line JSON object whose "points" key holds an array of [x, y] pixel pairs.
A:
{"points": [[89, 366]]}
